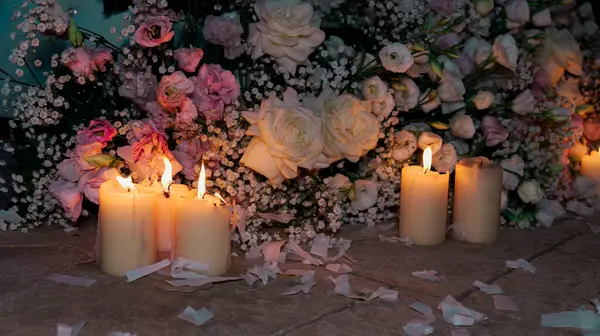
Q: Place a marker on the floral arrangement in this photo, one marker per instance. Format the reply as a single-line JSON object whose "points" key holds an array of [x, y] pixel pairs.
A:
{"points": [[304, 111]]}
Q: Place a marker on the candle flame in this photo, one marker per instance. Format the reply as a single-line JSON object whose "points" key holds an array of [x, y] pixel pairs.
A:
{"points": [[167, 176], [202, 182], [126, 183], [221, 198], [427, 159]]}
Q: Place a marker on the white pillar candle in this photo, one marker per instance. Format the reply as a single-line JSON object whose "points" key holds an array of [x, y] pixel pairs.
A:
{"points": [[126, 226], [590, 166], [477, 200], [202, 230], [423, 203]]}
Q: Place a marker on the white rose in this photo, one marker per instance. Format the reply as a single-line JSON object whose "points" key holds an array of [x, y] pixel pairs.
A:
{"points": [[396, 58], [383, 108], [405, 145], [548, 211], [484, 7], [524, 103], [349, 130], [287, 30], [514, 165], [564, 50], [444, 161], [477, 49], [542, 19], [517, 13], [453, 107], [483, 100], [365, 195], [286, 136], [462, 126], [428, 139], [530, 192], [406, 94], [374, 89], [506, 51], [430, 101], [340, 184]]}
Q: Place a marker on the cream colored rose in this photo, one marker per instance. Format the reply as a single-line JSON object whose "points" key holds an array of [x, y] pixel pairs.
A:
{"points": [[542, 18], [287, 30], [428, 139], [506, 51], [483, 100], [430, 101], [286, 136], [404, 147], [396, 58], [462, 126], [381, 108], [406, 94], [365, 195], [445, 159], [564, 50], [374, 89], [530, 192], [349, 130], [524, 103], [514, 168]]}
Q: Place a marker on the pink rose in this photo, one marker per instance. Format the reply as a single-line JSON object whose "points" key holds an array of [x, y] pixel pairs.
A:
{"points": [[142, 128], [444, 8], [187, 114], [214, 88], [226, 32], [591, 130], [67, 193], [189, 153], [139, 88], [69, 170], [79, 61], [154, 32], [100, 130], [173, 90], [90, 182], [188, 59], [83, 151], [145, 157], [493, 131], [101, 56]]}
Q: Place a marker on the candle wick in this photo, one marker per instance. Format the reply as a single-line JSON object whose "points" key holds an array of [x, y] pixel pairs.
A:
{"points": [[167, 194]]}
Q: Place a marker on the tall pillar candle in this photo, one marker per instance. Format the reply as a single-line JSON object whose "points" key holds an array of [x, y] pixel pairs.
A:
{"points": [[203, 231], [126, 226], [423, 203], [590, 166], [477, 200]]}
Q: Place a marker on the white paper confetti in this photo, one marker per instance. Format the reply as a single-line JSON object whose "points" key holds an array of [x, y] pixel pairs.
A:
{"points": [[342, 287], [143, 271], [255, 252], [319, 246], [250, 278], [404, 240], [183, 268], [305, 275], [342, 245], [339, 268], [459, 332], [120, 333], [384, 294], [596, 304], [488, 289], [595, 228], [428, 275], [422, 308], [450, 307], [417, 328], [305, 256], [503, 302], [305, 287], [522, 264], [201, 281], [71, 280], [66, 330], [10, 216], [272, 250], [586, 320], [460, 320], [197, 317]]}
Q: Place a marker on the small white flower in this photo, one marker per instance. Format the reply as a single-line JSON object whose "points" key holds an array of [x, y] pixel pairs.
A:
{"points": [[396, 58], [444, 161], [365, 195], [428, 139], [405, 145]]}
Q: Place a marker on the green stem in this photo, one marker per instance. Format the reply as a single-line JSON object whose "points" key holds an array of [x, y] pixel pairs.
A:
{"points": [[33, 74]]}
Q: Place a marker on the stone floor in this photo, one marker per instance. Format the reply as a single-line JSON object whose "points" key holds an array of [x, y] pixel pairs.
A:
{"points": [[567, 257]]}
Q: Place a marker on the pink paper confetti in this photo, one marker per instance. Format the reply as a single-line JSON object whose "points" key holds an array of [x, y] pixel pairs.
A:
{"points": [[297, 250], [339, 268], [319, 246], [502, 302], [272, 250]]}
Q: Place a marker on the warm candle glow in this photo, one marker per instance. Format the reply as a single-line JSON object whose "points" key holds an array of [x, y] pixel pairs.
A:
{"points": [[201, 182], [167, 176], [126, 183], [427, 159], [221, 198]]}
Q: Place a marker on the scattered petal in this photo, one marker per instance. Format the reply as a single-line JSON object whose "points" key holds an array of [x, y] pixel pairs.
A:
{"points": [[201, 281], [197, 317], [65, 330], [183, 268], [595, 228], [460, 320], [459, 332], [297, 250], [339, 268], [450, 307], [342, 286], [319, 246], [384, 294], [255, 252], [305, 287], [503, 302], [428, 275], [250, 278], [488, 289], [417, 328], [393, 239], [305, 275], [586, 320], [71, 280], [422, 308], [143, 271], [342, 245], [522, 264]]}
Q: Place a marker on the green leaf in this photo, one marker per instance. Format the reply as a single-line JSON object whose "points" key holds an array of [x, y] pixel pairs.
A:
{"points": [[435, 65], [102, 160], [438, 125], [75, 36], [582, 110]]}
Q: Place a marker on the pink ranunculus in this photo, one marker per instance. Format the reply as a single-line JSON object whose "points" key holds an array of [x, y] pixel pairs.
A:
{"points": [[145, 157], [139, 88], [187, 114], [67, 193], [90, 182], [226, 32], [189, 153], [79, 61], [591, 130], [154, 31], [142, 128], [444, 8], [69, 170], [101, 56], [214, 88], [159, 116], [173, 90], [188, 58], [100, 130], [493, 131], [83, 151]]}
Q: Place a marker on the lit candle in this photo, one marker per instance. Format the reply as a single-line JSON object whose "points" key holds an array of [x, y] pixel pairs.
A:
{"points": [[423, 203], [590, 166], [477, 200], [126, 220], [165, 211], [202, 228]]}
